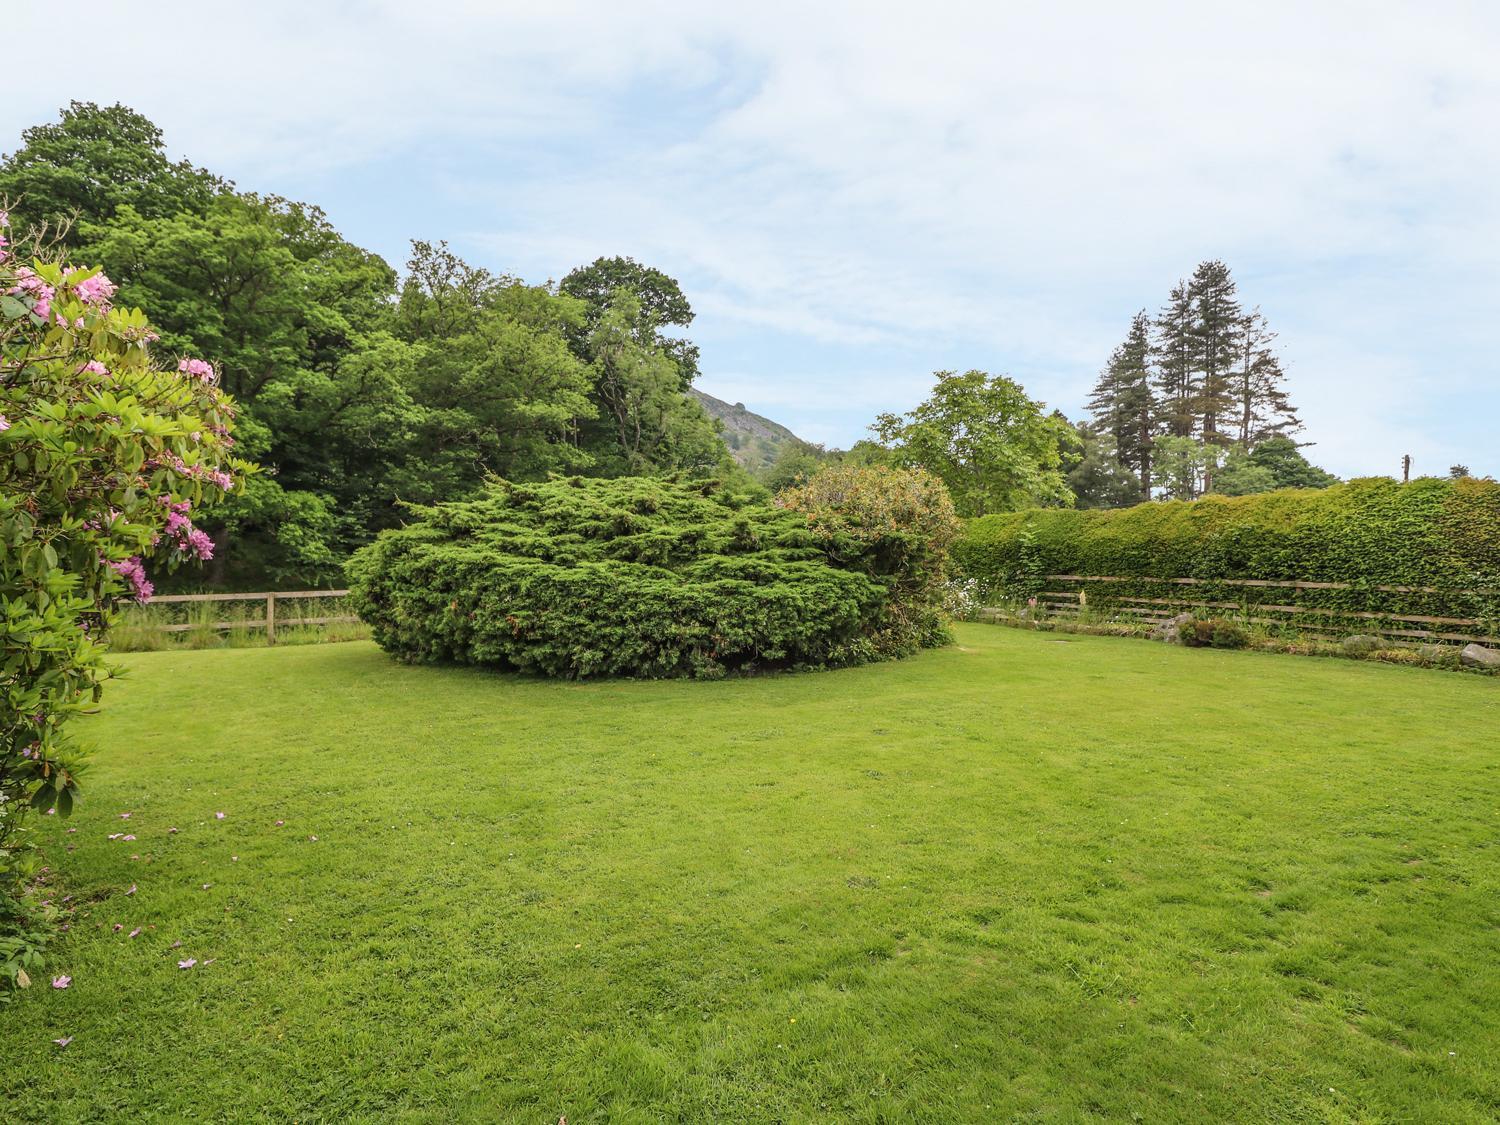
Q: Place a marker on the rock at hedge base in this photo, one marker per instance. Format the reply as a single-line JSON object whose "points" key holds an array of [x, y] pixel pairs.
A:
{"points": [[648, 578], [1477, 656]]}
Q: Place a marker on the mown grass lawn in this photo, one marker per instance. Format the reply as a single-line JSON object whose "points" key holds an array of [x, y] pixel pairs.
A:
{"points": [[1023, 877]]}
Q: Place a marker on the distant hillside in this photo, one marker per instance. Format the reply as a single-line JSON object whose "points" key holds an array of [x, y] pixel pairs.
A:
{"points": [[754, 440]]}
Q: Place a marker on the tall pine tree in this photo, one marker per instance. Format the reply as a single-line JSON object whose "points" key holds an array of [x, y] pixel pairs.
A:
{"points": [[1176, 374], [1261, 402], [1218, 325], [1123, 404]]}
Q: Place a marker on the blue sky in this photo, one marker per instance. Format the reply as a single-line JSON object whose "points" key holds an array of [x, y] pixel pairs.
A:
{"points": [[855, 195]]}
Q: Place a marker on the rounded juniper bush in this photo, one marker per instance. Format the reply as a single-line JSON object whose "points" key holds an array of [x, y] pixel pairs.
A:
{"points": [[646, 577]]}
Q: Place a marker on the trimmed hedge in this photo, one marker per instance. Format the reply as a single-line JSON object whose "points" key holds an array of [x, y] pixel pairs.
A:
{"points": [[635, 576], [1373, 532]]}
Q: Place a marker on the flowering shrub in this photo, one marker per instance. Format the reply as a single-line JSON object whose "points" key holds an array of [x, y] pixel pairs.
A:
{"points": [[105, 457], [895, 525]]}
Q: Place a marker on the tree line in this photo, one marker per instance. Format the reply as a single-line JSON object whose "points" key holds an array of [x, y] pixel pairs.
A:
{"points": [[362, 389], [359, 388]]}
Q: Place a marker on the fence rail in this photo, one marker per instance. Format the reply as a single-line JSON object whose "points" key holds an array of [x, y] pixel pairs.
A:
{"points": [[1324, 620], [269, 622]]}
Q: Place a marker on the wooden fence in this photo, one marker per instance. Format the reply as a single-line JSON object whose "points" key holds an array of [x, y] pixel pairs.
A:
{"points": [[268, 622], [1301, 618]]}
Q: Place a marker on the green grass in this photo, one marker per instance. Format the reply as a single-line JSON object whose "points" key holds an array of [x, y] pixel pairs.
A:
{"points": [[1026, 877]]}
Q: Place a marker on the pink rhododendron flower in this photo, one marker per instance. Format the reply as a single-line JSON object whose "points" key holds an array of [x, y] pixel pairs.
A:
{"points": [[94, 367], [198, 368], [62, 981], [134, 572], [4, 423], [96, 290]]}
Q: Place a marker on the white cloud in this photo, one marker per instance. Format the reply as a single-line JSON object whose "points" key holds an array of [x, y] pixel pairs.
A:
{"points": [[910, 186]]}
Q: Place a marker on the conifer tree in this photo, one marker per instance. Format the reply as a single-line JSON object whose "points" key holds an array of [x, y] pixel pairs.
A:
{"points": [[1217, 327], [1123, 404], [1176, 375], [1264, 410]]}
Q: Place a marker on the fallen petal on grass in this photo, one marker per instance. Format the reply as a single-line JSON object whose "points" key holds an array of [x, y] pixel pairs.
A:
{"points": [[62, 981]]}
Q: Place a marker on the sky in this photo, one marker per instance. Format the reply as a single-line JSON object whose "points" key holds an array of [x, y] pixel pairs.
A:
{"points": [[856, 195]]}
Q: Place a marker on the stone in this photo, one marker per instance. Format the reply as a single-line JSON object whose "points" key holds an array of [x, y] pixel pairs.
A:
{"points": [[1171, 631], [1477, 656], [1437, 654], [1361, 645]]}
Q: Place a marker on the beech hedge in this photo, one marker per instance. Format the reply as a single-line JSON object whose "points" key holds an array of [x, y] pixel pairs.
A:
{"points": [[1439, 535], [636, 577]]}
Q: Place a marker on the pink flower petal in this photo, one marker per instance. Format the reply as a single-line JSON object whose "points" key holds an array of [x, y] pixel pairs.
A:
{"points": [[124, 816], [134, 933], [314, 839], [118, 927], [218, 816], [188, 964], [176, 944], [62, 981], [279, 823], [64, 1041], [128, 836], [172, 831], [132, 889]]}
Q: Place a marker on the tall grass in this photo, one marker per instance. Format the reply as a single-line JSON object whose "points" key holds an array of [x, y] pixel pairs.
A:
{"points": [[231, 625]]}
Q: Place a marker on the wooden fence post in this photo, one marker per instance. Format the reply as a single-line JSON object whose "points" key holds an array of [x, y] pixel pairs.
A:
{"points": [[270, 619]]}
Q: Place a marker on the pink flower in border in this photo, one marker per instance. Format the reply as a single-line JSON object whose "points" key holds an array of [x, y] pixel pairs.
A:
{"points": [[62, 981], [4, 423]]}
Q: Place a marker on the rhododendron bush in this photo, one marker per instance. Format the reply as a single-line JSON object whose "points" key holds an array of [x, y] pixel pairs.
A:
{"points": [[107, 456]]}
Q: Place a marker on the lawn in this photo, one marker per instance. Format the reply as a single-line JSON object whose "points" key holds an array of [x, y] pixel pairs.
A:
{"points": [[1026, 877]]}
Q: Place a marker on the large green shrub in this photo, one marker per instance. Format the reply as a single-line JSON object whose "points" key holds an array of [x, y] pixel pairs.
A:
{"points": [[1441, 534], [637, 577]]}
